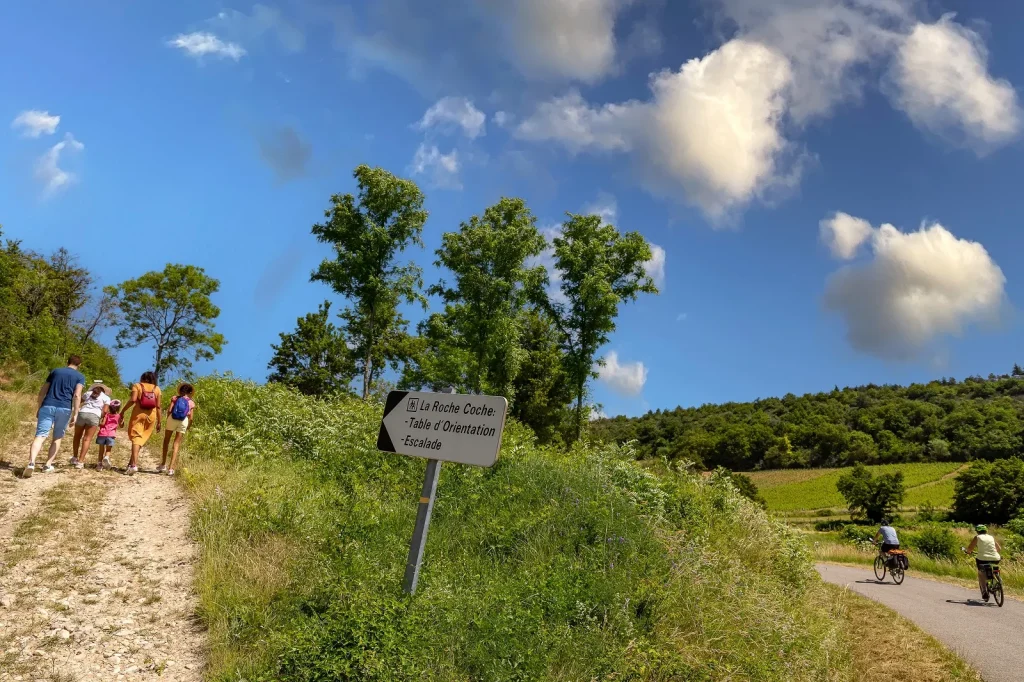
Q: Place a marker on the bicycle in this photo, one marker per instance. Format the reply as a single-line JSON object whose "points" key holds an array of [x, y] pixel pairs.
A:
{"points": [[890, 561], [993, 582]]}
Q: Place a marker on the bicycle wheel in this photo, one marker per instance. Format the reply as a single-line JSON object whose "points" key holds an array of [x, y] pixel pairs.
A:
{"points": [[897, 574], [879, 568], [997, 591]]}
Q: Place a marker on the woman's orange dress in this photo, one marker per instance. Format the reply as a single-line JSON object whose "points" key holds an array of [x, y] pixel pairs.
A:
{"points": [[143, 422]]}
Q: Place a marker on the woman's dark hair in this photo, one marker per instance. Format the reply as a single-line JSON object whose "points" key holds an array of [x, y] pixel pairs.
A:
{"points": [[186, 389], [148, 378]]}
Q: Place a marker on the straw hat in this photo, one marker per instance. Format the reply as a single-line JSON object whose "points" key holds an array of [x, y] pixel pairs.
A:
{"points": [[99, 382]]}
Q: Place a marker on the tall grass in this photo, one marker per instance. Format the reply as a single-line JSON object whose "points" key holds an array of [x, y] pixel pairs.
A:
{"points": [[14, 408], [548, 566]]}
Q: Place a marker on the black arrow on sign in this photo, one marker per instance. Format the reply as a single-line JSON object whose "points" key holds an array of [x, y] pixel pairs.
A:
{"points": [[384, 438]]}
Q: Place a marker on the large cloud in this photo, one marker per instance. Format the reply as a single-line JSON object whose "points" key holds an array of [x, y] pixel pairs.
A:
{"points": [[942, 82], [712, 128], [916, 288], [627, 378]]}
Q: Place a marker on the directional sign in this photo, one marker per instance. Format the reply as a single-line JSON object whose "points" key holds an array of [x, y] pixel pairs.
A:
{"points": [[445, 426]]}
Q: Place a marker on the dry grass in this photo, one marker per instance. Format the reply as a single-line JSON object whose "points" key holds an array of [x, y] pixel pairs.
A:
{"points": [[900, 651]]}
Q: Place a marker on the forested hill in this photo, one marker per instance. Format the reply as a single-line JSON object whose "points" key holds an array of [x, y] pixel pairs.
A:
{"points": [[943, 420]]}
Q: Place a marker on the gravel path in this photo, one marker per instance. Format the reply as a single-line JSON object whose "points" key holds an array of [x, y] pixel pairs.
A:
{"points": [[988, 637], [96, 576]]}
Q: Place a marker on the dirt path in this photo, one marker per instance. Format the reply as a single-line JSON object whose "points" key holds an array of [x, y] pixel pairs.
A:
{"points": [[986, 636], [95, 575]]}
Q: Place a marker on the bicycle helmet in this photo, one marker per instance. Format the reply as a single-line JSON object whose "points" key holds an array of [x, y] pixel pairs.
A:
{"points": [[981, 528]]}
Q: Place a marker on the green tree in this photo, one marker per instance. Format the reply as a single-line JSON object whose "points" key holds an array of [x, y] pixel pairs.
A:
{"points": [[989, 492], [1017, 371], [170, 309], [367, 233], [314, 358], [874, 497], [600, 269], [541, 387], [492, 285], [746, 487]]}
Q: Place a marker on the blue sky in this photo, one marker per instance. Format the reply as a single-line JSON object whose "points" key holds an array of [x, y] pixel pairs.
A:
{"points": [[762, 146]]}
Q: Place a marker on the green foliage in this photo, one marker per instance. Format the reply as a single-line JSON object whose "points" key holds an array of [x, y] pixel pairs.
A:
{"points": [[745, 486], [874, 497], [367, 233], [856, 534], [314, 358], [990, 492], [600, 269], [170, 309], [475, 344], [550, 565], [934, 541], [943, 420], [541, 387], [48, 311]]}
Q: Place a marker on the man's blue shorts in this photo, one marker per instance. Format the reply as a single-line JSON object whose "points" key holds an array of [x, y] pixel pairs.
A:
{"points": [[56, 418]]}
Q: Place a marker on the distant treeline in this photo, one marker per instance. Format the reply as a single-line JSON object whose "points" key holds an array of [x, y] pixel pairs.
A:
{"points": [[975, 418]]}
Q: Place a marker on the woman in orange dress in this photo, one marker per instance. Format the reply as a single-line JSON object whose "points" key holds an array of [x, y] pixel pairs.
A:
{"points": [[145, 402]]}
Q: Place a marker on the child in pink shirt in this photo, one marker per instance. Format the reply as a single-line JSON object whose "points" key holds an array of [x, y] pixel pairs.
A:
{"points": [[108, 432]]}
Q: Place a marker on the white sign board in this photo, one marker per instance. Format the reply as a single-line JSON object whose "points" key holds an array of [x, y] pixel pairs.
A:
{"points": [[445, 426]]}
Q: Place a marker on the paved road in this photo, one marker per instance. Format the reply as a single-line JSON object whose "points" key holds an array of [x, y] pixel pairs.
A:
{"points": [[989, 638]]}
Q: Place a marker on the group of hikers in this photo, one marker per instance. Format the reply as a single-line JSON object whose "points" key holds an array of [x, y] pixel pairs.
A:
{"points": [[64, 400], [985, 548]]}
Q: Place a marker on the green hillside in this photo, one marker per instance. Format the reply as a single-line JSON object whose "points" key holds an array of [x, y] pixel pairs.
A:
{"points": [[551, 565], [810, 489], [940, 421]]}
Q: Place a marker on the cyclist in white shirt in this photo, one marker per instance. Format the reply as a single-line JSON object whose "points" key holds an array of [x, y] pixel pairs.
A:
{"points": [[987, 548]]}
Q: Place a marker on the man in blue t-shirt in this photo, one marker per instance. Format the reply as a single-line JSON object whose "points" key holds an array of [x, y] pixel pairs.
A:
{"points": [[59, 399]]}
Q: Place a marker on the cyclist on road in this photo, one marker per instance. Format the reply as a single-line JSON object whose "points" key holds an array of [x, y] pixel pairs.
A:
{"points": [[889, 538], [987, 553]]}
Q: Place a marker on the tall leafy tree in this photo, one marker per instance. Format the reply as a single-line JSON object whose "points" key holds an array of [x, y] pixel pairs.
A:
{"points": [[367, 233], [314, 358], [492, 282], [874, 497], [542, 389], [600, 269], [170, 309]]}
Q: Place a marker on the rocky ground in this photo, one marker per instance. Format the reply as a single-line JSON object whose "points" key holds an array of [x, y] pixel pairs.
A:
{"points": [[95, 573]]}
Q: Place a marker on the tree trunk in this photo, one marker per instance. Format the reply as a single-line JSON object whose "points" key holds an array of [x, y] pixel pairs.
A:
{"points": [[368, 360], [158, 369], [579, 411]]}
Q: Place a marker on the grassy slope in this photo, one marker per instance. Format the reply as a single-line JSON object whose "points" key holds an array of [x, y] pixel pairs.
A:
{"points": [[548, 566], [816, 488]]}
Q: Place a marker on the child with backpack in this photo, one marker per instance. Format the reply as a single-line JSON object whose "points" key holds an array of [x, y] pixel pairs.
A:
{"points": [[179, 418], [108, 432], [146, 416]]}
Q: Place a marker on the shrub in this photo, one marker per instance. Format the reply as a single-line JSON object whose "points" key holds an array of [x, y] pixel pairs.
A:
{"points": [[874, 497], [549, 565], [935, 542], [745, 486], [989, 492], [857, 534], [830, 525]]}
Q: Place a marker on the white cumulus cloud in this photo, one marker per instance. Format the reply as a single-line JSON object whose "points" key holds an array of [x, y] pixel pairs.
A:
{"points": [[713, 128], [604, 206], [655, 267], [454, 113], [200, 44], [916, 288], [627, 378], [441, 170], [844, 234], [48, 171], [597, 413], [34, 123], [942, 82]]}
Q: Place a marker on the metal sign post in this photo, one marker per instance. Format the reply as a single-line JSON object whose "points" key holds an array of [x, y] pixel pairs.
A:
{"points": [[439, 427], [419, 535]]}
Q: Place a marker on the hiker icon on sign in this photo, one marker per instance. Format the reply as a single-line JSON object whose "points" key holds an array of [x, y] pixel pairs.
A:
{"points": [[412, 405]]}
